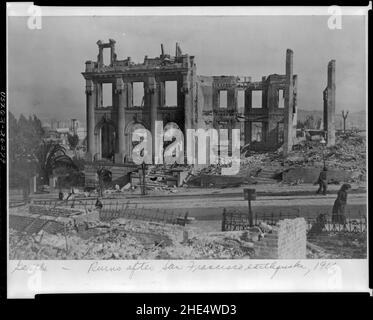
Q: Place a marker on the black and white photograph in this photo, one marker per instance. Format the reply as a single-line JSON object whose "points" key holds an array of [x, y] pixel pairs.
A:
{"points": [[157, 136]]}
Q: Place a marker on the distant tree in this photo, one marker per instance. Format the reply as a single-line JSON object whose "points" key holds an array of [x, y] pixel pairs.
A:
{"points": [[300, 124], [84, 144], [51, 156], [309, 123], [13, 129], [68, 177], [344, 116], [73, 140], [25, 136], [318, 123]]}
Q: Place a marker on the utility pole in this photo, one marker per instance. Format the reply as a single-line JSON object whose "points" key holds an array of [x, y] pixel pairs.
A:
{"points": [[143, 180], [250, 194]]}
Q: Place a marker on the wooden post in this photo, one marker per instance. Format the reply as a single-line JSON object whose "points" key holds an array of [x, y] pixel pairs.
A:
{"points": [[250, 194], [250, 214], [143, 182], [223, 221]]}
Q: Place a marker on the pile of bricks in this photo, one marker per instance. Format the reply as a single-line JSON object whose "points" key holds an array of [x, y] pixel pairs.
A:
{"points": [[32, 224], [51, 220]]}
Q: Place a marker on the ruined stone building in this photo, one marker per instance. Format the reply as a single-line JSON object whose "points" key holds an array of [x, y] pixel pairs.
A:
{"points": [[140, 94]]}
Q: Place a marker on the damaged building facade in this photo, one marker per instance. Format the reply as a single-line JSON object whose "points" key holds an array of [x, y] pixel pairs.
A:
{"points": [[329, 105], [168, 89], [265, 111]]}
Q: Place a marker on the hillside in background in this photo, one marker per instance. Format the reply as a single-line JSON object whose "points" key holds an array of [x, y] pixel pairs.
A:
{"points": [[354, 119]]}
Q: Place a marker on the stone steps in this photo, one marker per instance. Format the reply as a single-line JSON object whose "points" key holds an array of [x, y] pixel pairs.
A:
{"points": [[266, 175]]}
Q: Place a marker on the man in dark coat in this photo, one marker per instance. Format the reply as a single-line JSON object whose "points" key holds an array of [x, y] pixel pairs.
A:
{"points": [[338, 215], [98, 204], [323, 181]]}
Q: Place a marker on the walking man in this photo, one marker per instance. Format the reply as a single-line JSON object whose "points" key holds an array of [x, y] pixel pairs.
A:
{"points": [[323, 181]]}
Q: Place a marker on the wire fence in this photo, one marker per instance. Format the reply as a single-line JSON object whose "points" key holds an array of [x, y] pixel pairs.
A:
{"points": [[87, 204], [133, 212], [114, 210], [233, 220]]}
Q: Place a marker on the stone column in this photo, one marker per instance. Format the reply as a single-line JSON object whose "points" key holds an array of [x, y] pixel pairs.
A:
{"points": [[329, 105], [188, 110], [90, 102], [121, 92], [295, 104], [162, 91], [288, 110], [99, 95], [152, 90], [248, 103], [100, 55], [33, 184]]}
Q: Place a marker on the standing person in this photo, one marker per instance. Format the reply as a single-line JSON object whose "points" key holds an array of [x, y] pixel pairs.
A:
{"points": [[323, 181], [338, 215], [98, 204]]}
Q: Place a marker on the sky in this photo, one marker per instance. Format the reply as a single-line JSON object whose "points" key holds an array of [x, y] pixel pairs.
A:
{"points": [[44, 66]]}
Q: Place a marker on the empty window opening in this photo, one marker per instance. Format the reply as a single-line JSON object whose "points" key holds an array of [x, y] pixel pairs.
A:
{"points": [[281, 98], [256, 131], [223, 99], [256, 99], [241, 101], [107, 95], [171, 93], [106, 57], [107, 142], [138, 94]]}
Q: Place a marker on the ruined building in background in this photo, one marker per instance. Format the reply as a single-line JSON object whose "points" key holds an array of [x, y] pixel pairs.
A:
{"points": [[329, 105], [265, 110], [167, 88]]}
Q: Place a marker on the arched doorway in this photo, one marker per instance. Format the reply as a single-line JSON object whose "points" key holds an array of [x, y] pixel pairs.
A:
{"points": [[170, 126], [105, 132], [131, 127], [107, 141], [172, 133]]}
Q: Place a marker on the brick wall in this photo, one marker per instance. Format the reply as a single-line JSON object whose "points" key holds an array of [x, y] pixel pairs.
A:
{"points": [[287, 241], [292, 239]]}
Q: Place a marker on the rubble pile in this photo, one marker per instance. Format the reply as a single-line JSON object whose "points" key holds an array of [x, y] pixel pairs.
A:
{"points": [[126, 239], [255, 160], [169, 178], [349, 153], [161, 177], [337, 246]]}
